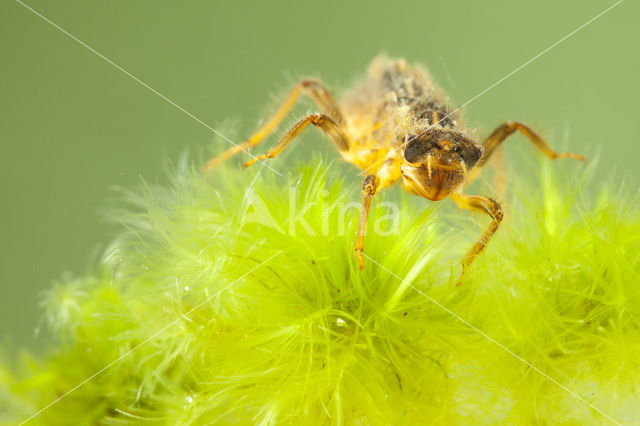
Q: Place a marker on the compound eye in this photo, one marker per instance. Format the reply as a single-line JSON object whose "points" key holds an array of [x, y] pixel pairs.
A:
{"points": [[470, 155], [415, 149], [478, 153]]}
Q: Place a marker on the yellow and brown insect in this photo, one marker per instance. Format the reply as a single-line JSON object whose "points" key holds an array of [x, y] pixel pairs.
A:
{"points": [[396, 124]]}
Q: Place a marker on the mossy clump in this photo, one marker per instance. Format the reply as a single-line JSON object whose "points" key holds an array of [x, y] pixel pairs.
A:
{"points": [[235, 299]]}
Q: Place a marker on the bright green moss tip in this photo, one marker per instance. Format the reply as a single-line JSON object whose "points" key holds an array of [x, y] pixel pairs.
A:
{"points": [[205, 332]]}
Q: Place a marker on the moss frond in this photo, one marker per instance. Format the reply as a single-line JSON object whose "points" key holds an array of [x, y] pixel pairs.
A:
{"points": [[213, 335]]}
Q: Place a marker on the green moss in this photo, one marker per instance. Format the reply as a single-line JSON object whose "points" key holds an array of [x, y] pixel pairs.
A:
{"points": [[220, 337]]}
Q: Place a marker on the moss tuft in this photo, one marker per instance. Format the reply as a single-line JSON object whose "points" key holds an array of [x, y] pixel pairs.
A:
{"points": [[205, 332]]}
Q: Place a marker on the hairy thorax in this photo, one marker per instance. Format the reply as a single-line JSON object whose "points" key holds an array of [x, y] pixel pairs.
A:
{"points": [[393, 102]]}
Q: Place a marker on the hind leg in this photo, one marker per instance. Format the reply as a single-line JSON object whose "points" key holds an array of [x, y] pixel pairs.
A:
{"points": [[505, 130], [314, 89], [323, 121]]}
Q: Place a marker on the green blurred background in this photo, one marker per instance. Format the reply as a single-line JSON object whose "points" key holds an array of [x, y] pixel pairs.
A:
{"points": [[72, 125]]}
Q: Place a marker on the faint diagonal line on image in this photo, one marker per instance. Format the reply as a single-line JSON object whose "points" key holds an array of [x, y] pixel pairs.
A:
{"points": [[147, 340], [127, 73], [507, 76], [500, 345]]}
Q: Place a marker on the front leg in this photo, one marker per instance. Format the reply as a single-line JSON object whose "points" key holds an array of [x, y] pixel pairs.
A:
{"points": [[388, 174], [369, 189], [482, 205]]}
